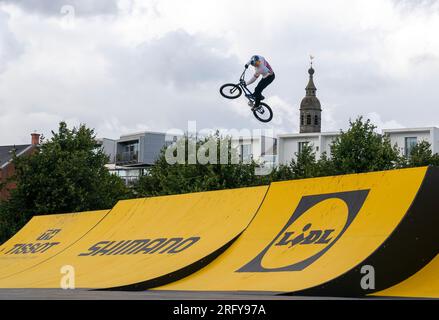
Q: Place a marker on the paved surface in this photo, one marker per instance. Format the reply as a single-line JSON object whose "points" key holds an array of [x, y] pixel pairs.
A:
{"points": [[79, 294]]}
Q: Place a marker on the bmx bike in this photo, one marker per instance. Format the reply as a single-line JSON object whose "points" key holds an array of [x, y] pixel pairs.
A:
{"points": [[262, 112]]}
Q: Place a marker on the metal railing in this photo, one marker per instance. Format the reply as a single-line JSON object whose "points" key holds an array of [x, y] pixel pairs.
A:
{"points": [[127, 157]]}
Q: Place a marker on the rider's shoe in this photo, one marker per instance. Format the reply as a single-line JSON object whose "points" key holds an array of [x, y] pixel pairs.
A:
{"points": [[262, 97]]}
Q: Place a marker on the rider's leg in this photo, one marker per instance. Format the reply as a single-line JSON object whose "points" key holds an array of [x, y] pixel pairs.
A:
{"points": [[260, 87]]}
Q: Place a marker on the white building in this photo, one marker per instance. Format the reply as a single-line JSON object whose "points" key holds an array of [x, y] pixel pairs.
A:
{"points": [[260, 148], [406, 138], [131, 155], [289, 145]]}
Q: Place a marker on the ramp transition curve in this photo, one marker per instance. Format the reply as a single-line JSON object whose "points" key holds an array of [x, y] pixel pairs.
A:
{"points": [[309, 237], [148, 242], [42, 238], [313, 236]]}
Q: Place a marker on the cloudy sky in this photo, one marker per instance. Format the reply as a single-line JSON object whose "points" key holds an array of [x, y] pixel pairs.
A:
{"points": [[129, 65]]}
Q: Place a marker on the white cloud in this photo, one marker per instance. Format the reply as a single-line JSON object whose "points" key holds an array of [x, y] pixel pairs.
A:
{"points": [[10, 47], [131, 65], [54, 7], [381, 124]]}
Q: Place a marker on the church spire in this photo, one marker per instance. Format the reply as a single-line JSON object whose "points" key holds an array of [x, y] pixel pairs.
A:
{"points": [[310, 108], [311, 88]]}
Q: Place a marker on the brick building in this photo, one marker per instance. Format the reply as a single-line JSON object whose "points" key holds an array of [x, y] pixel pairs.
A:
{"points": [[7, 168]]}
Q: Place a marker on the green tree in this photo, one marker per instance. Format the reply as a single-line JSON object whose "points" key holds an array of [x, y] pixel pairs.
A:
{"points": [[303, 166], [361, 149], [188, 174], [66, 174], [325, 166], [420, 155], [282, 172]]}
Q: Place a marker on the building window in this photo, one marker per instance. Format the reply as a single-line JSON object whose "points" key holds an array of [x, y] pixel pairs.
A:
{"points": [[246, 152], [129, 153], [410, 142], [302, 145], [316, 120], [302, 120], [308, 119]]}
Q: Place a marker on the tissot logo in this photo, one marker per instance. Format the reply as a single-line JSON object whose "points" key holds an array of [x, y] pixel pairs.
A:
{"points": [[42, 245], [313, 228]]}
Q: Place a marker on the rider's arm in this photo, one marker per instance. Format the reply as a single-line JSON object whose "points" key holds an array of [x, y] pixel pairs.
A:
{"points": [[253, 79]]}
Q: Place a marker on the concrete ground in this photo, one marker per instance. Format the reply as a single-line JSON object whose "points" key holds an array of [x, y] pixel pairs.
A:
{"points": [[80, 294]]}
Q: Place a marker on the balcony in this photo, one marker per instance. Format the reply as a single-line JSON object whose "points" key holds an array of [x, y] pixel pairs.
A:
{"points": [[126, 158]]}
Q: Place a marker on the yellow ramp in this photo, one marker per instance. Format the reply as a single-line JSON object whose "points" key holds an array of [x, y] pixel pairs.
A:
{"points": [[152, 241], [423, 284], [314, 236], [44, 237]]}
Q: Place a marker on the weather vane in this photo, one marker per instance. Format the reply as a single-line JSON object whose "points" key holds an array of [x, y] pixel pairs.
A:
{"points": [[311, 58]]}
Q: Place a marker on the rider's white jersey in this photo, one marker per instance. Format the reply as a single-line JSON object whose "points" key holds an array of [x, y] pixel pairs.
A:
{"points": [[264, 69]]}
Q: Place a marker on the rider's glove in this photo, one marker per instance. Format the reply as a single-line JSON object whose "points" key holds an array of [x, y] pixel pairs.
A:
{"points": [[246, 66]]}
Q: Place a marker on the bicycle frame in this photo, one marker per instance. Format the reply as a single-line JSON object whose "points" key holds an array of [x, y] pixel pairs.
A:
{"points": [[229, 91], [242, 84]]}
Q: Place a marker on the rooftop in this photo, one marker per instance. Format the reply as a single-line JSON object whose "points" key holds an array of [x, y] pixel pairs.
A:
{"points": [[310, 135], [6, 152], [410, 129]]}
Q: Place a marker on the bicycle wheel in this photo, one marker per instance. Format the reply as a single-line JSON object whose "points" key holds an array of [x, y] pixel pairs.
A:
{"points": [[263, 113], [230, 91]]}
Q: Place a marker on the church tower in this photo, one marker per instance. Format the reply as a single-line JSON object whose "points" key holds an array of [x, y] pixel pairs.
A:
{"points": [[310, 109]]}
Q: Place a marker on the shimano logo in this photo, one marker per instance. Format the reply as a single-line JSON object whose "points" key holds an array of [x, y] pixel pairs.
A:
{"points": [[141, 246]]}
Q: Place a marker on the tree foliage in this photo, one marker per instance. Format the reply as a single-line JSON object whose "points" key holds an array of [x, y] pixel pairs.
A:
{"points": [[303, 166], [224, 170], [361, 149], [66, 174], [420, 155]]}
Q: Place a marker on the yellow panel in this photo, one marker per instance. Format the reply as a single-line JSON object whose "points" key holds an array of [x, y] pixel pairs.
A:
{"points": [[144, 239], [423, 284], [44, 237], [304, 235]]}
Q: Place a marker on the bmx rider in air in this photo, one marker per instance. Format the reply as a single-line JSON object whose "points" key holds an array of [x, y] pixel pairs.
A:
{"points": [[262, 68]]}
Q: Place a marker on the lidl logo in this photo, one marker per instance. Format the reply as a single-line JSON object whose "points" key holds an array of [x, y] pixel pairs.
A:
{"points": [[313, 228]]}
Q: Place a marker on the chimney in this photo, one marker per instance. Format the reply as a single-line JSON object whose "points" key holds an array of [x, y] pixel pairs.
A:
{"points": [[35, 139]]}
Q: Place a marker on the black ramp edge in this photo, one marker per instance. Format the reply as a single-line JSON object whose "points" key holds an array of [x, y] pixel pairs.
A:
{"points": [[411, 246]]}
